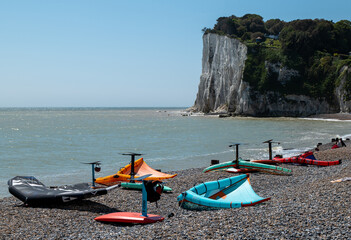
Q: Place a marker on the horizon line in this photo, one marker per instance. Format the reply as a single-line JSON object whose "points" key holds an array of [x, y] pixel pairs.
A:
{"points": [[95, 107]]}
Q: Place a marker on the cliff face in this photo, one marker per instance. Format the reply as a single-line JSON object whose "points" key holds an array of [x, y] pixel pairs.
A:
{"points": [[222, 89], [343, 92], [223, 62]]}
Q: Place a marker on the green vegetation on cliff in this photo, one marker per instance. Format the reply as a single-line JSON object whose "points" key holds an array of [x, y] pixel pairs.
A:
{"points": [[316, 49]]}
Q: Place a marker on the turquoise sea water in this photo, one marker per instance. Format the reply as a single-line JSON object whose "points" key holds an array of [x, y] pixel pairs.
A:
{"points": [[52, 143]]}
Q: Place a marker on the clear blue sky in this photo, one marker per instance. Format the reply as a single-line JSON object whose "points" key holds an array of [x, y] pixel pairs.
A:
{"points": [[111, 53]]}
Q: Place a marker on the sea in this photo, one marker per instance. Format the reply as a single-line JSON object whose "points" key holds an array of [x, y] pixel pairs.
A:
{"points": [[53, 144]]}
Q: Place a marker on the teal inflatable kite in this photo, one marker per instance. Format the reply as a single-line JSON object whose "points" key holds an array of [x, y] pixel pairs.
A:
{"points": [[233, 192]]}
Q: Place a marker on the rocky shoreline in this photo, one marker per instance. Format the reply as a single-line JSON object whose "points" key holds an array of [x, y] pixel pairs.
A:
{"points": [[305, 205], [222, 113], [337, 116]]}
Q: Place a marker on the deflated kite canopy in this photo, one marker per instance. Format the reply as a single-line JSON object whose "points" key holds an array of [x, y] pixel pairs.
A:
{"points": [[31, 191], [233, 192], [247, 165], [307, 159], [140, 169]]}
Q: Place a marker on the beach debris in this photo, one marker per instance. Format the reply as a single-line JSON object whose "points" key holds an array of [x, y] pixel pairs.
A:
{"points": [[214, 162], [341, 180]]}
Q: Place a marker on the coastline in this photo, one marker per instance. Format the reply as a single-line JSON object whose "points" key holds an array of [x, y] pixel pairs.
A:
{"points": [[332, 116], [303, 205], [336, 116]]}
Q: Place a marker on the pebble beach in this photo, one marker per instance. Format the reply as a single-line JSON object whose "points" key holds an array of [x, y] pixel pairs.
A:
{"points": [[304, 205]]}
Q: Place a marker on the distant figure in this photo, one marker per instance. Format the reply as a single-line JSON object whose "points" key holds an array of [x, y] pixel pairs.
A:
{"points": [[317, 148], [341, 143]]}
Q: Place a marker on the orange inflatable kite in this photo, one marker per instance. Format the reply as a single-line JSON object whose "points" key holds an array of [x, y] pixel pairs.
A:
{"points": [[140, 169]]}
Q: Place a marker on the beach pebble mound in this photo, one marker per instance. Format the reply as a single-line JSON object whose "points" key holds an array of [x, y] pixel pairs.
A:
{"points": [[305, 205]]}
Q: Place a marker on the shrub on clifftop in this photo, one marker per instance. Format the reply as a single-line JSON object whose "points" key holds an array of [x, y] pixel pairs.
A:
{"points": [[316, 49]]}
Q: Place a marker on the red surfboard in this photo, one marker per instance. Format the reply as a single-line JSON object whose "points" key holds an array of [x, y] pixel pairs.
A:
{"points": [[129, 217]]}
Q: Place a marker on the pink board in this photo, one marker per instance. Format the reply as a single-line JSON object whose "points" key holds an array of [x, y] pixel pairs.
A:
{"points": [[129, 217], [267, 161], [240, 170]]}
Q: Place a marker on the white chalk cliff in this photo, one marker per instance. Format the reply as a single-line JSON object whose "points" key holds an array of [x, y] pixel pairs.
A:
{"points": [[341, 92], [222, 89]]}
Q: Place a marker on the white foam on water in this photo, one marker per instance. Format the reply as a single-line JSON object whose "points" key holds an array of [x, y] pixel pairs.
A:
{"points": [[294, 152], [325, 119], [346, 136], [172, 159]]}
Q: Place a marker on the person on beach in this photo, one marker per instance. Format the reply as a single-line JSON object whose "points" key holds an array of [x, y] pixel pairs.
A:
{"points": [[336, 142], [341, 143], [317, 148]]}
